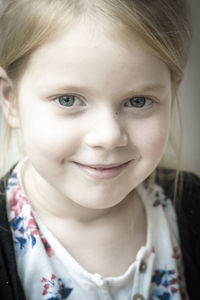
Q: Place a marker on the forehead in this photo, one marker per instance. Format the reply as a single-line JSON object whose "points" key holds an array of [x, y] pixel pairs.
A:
{"points": [[85, 54]]}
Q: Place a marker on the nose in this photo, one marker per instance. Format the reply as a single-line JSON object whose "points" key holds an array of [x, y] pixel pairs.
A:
{"points": [[106, 132]]}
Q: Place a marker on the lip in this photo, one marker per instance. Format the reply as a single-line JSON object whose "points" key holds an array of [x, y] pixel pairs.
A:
{"points": [[103, 171]]}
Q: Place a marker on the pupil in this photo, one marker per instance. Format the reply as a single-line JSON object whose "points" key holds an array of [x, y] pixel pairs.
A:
{"points": [[66, 100], [138, 102]]}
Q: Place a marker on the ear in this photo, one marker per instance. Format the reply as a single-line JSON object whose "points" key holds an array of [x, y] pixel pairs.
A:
{"points": [[8, 100]]}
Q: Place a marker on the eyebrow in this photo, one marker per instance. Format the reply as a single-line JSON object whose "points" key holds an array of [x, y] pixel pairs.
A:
{"points": [[140, 89], [155, 87], [64, 87]]}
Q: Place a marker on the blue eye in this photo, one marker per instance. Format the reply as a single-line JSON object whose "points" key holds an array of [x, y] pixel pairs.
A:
{"points": [[68, 100], [138, 102]]}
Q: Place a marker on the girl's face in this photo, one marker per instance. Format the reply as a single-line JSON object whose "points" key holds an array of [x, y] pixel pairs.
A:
{"points": [[94, 114]]}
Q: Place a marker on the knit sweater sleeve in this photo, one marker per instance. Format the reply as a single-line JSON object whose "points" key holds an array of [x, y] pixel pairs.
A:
{"points": [[10, 285]]}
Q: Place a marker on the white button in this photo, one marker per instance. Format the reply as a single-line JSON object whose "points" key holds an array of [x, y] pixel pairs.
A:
{"points": [[143, 266], [98, 279], [138, 297]]}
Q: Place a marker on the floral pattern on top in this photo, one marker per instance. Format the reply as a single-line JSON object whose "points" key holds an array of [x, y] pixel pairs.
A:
{"points": [[177, 253], [23, 224], [161, 199], [56, 288], [157, 194], [166, 284]]}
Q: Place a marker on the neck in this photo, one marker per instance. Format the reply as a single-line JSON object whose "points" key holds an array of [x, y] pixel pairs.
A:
{"points": [[47, 201], [104, 234]]}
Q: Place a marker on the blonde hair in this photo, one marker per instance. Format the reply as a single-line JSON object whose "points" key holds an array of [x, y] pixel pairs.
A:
{"points": [[163, 25]]}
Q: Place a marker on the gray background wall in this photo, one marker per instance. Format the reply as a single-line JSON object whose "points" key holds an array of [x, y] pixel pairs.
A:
{"points": [[190, 96]]}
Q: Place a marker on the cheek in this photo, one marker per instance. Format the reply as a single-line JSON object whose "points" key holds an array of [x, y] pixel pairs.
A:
{"points": [[151, 137], [50, 138]]}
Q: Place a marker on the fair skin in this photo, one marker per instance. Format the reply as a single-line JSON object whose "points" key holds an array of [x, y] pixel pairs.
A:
{"points": [[87, 155]]}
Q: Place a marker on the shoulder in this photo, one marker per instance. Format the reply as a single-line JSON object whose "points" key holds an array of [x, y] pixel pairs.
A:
{"points": [[188, 214], [186, 189], [5, 232], [3, 186], [10, 285], [187, 185]]}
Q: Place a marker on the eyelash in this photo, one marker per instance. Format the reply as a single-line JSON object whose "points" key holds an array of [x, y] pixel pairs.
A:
{"points": [[144, 99]]}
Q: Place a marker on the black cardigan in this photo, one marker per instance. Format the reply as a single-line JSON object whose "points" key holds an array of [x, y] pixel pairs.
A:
{"points": [[10, 285], [188, 212]]}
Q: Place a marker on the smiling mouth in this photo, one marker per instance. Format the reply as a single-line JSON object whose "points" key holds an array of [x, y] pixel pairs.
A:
{"points": [[103, 171]]}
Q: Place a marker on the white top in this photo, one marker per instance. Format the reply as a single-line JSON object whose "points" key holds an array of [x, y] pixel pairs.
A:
{"points": [[49, 272]]}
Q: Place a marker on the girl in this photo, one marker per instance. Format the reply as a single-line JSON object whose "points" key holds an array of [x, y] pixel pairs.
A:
{"points": [[91, 87]]}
